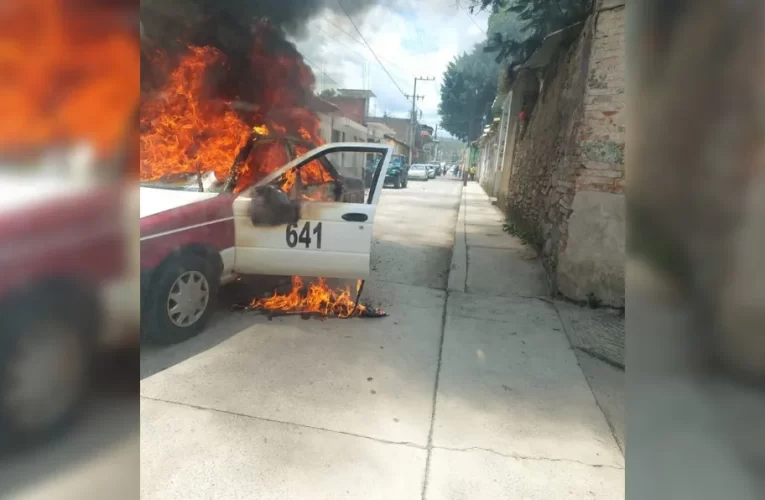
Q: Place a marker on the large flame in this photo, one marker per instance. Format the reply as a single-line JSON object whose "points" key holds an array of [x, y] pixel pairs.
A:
{"points": [[317, 297], [67, 74], [186, 129], [182, 130]]}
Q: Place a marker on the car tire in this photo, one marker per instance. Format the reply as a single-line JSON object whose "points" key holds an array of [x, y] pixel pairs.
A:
{"points": [[397, 182], [46, 357], [167, 321]]}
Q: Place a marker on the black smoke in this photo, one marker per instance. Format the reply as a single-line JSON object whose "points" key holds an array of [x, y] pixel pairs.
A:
{"points": [[226, 23], [170, 26]]}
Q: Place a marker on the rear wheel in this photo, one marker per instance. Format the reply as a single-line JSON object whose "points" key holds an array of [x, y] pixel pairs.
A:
{"points": [[46, 354], [181, 299], [397, 182]]}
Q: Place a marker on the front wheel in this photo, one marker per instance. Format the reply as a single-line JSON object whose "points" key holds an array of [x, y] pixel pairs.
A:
{"points": [[46, 353], [181, 300]]}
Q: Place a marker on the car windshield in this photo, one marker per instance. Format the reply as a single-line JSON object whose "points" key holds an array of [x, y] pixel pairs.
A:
{"points": [[418, 167]]}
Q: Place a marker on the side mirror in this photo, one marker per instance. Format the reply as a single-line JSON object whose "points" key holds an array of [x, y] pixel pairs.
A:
{"points": [[271, 207]]}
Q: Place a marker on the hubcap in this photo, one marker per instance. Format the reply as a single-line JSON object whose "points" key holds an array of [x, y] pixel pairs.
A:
{"points": [[45, 376], [188, 299]]}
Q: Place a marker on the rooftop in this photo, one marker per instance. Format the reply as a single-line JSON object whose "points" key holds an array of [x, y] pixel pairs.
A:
{"points": [[355, 93]]}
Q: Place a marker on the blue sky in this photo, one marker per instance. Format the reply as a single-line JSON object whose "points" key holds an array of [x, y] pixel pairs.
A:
{"points": [[412, 38]]}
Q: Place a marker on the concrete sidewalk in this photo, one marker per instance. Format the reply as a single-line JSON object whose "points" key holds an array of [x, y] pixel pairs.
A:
{"points": [[514, 415]]}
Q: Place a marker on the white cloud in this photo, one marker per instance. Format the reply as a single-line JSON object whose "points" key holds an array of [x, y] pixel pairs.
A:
{"points": [[411, 39]]}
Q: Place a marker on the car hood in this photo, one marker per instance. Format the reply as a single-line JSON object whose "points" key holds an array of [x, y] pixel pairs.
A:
{"points": [[154, 201], [22, 191]]}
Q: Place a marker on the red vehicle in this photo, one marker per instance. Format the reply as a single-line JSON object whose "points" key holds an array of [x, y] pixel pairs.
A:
{"points": [[197, 232], [68, 290]]}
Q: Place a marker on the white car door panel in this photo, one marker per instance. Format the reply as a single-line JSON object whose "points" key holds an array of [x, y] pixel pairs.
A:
{"points": [[331, 239]]}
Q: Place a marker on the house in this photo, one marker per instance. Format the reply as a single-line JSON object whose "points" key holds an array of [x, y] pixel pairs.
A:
{"points": [[352, 103], [343, 119], [403, 129]]}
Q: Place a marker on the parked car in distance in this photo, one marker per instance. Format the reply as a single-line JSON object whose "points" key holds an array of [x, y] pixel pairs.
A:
{"points": [[419, 172], [398, 171]]}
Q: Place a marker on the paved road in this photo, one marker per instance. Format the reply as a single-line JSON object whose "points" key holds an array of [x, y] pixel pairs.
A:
{"points": [[469, 388]]}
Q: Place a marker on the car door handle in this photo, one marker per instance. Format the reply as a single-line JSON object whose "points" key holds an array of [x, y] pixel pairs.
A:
{"points": [[355, 217]]}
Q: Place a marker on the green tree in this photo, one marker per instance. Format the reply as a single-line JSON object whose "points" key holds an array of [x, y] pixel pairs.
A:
{"points": [[537, 19], [468, 88]]}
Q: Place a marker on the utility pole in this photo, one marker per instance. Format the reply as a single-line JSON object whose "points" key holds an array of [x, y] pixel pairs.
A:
{"points": [[414, 97]]}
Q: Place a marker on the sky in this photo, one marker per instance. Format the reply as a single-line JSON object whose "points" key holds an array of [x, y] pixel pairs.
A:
{"points": [[411, 38]]}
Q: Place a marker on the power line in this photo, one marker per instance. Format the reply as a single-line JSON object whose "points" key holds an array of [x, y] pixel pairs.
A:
{"points": [[370, 48], [320, 70], [366, 58], [341, 30], [469, 15]]}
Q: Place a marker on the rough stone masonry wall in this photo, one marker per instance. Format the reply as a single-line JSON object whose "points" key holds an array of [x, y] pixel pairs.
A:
{"points": [[566, 189], [541, 187], [591, 259]]}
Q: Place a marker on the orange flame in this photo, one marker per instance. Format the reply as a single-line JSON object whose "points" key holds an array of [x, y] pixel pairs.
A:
{"points": [[186, 131], [317, 298], [67, 74], [182, 131]]}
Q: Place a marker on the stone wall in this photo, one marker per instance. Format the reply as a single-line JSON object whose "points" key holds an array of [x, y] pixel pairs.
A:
{"points": [[566, 180], [593, 257]]}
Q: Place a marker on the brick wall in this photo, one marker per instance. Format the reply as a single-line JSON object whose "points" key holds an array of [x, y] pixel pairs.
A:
{"points": [[602, 133], [566, 178]]}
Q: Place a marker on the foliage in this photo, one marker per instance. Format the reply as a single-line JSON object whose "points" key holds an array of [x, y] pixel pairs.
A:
{"points": [[469, 87], [537, 19], [329, 93], [530, 238]]}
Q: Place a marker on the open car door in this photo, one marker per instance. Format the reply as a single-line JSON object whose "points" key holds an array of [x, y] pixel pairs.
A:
{"points": [[333, 236]]}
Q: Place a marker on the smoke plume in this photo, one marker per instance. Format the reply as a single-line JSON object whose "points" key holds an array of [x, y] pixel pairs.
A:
{"points": [[225, 23], [235, 28]]}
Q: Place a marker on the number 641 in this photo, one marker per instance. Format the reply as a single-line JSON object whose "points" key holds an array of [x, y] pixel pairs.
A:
{"points": [[293, 238]]}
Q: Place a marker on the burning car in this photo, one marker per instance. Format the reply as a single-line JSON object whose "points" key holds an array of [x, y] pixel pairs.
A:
{"points": [[68, 291], [202, 230]]}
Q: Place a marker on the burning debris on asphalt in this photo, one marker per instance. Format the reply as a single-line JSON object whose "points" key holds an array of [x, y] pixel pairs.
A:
{"points": [[315, 300]]}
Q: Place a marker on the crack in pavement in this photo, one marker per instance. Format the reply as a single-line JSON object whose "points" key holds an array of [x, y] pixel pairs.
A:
{"points": [[284, 422], [428, 448], [435, 398], [524, 457]]}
